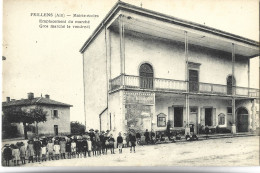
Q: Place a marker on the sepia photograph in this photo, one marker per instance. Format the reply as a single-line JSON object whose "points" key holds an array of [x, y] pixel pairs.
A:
{"points": [[130, 83]]}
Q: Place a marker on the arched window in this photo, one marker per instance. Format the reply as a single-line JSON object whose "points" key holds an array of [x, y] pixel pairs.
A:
{"points": [[146, 76], [221, 119], [230, 84]]}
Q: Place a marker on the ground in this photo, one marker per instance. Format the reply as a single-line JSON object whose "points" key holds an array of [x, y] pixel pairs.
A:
{"points": [[239, 151]]}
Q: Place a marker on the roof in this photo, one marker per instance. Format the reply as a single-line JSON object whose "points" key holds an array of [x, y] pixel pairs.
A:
{"points": [[160, 16], [35, 101]]}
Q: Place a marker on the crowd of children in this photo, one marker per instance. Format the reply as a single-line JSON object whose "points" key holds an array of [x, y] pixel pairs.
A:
{"points": [[87, 145]]}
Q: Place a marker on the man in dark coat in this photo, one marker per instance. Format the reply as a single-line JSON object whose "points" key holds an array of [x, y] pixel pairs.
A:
{"points": [[147, 136], [133, 142], [120, 143], [102, 140], [68, 148], [207, 131], [85, 146], [37, 148]]}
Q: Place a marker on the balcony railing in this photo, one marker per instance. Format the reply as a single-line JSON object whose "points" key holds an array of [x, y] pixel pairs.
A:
{"points": [[159, 84]]}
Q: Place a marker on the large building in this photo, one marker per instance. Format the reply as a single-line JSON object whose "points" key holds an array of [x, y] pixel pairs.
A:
{"points": [[143, 69], [58, 114]]}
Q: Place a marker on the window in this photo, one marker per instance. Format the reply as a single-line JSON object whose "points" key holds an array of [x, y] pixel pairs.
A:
{"points": [[146, 76], [221, 119], [178, 116], [55, 113], [229, 110], [161, 120]]}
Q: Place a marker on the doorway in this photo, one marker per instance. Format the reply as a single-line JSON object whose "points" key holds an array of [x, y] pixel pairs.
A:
{"points": [[178, 116], [242, 120], [56, 131], [208, 116]]}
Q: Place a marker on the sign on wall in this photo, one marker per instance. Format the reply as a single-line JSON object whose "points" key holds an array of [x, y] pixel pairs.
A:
{"points": [[139, 98]]}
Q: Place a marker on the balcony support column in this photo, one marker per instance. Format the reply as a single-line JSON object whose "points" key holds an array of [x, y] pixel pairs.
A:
{"points": [[122, 48], [253, 115], [187, 128], [248, 74], [233, 129]]}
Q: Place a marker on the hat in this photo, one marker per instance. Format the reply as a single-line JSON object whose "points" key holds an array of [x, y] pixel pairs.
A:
{"points": [[7, 145], [91, 129], [22, 143], [96, 130], [102, 131], [108, 131]]}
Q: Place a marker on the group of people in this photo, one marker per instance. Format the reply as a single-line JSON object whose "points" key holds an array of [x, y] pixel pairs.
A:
{"points": [[86, 145]]}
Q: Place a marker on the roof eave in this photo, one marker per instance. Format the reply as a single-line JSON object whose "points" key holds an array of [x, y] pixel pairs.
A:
{"points": [[167, 18]]}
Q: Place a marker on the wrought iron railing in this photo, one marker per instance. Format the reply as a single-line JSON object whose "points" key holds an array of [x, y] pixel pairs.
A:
{"points": [[160, 84]]}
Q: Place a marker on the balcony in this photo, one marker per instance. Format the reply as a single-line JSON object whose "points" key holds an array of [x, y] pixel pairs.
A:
{"points": [[179, 86]]}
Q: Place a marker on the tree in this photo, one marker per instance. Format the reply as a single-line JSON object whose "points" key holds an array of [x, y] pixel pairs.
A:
{"points": [[77, 128], [18, 115]]}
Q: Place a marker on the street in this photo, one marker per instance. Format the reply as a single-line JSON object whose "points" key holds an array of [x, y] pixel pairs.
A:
{"points": [[240, 151]]}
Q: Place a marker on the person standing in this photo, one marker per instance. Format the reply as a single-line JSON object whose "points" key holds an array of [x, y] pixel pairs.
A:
{"points": [[147, 136], [102, 140], [7, 153], [63, 148], [85, 147], [44, 152], [120, 143], [56, 149], [106, 141], [37, 148], [30, 150], [111, 141], [50, 148], [22, 153], [133, 142], [73, 148], [16, 155], [124, 141], [138, 138], [68, 148], [153, 137], [207, 131], [94, 146], [89, 146]]}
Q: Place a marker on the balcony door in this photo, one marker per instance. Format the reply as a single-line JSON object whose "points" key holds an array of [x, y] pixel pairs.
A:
{"points": [[193, 81], [146, 76]]}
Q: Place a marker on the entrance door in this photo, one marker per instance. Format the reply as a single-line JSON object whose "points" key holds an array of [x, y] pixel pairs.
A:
{"points": [[242, 120], [194, 118], [208, 116], [178, 116], [56, 132], [193, 81]]}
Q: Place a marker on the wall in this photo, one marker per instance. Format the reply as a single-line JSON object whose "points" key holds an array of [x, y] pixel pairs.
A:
{"points": [[168, 60], [95, 80]]}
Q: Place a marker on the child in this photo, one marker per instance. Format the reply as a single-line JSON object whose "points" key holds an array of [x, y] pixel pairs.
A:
{"points": [[16, 155], [68, 148], [44, 152], [133, 142], [50, 147], [124, 141], [85, 147], [7, 153], [22, 153], [106, 142], [111, 141], [37, 149], [102, 141], [94, 146], [56, 149], [120, 142], [89, 146], [79, 148], [63, 148], [73, 148], [30, 150]]}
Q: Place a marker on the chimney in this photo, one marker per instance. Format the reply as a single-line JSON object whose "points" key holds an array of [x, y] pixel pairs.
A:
{"points": [[30, 96], [7, 99], [47, 96]]}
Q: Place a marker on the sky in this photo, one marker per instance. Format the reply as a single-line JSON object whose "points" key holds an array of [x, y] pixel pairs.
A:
{"points": [[48, 61]]}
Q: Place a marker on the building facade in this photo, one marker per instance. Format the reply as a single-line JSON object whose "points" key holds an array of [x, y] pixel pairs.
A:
{"points": [[144, 69], [58, 114]]}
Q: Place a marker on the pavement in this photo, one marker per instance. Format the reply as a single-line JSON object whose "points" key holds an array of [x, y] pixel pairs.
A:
{"points": [[238, 151]]}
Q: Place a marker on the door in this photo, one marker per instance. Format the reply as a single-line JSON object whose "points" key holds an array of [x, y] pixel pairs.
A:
{"points": [[242, 120], [193, 81], [208, 116], [178, 116], [146, 76], [56, 132], [194, 118]]}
